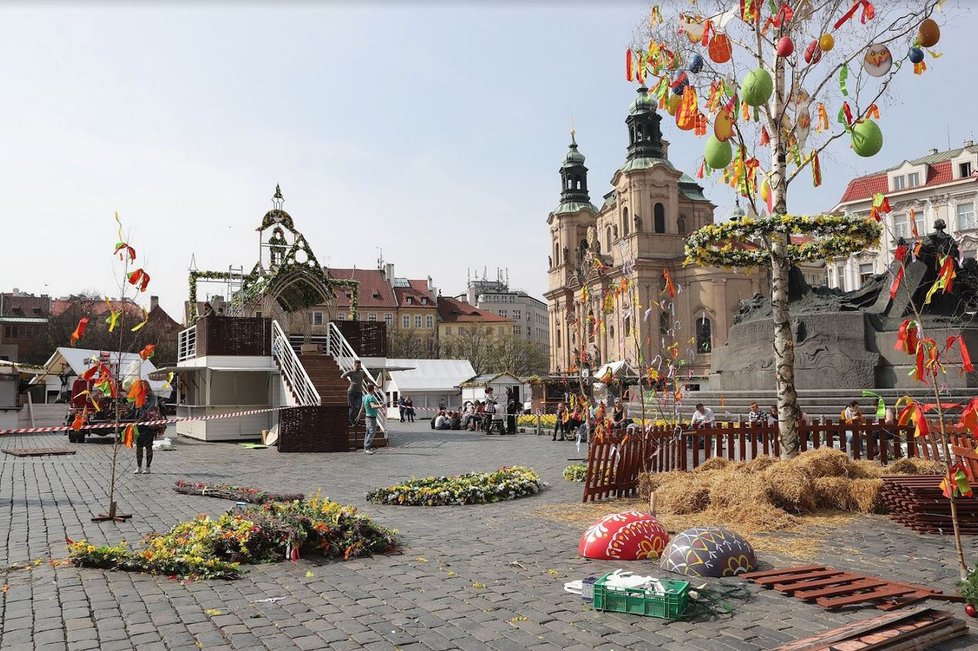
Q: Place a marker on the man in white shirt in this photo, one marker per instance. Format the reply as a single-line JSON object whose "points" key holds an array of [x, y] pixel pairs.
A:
{"points": [[702, 417]]}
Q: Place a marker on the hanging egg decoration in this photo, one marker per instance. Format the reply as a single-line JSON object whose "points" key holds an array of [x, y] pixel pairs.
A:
{"points": [[723, 125], [672, 103], [826, 42], [693, 26], [696, 63], [929, 33], [916, 55], [757, 87], [878, 60], [867, 139], [785, 47], [720, 50], [718, 153], [679, 82], [813, 52]]}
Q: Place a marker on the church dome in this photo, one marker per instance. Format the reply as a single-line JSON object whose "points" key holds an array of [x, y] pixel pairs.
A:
{"points": [[573, 157], [643, 103]]}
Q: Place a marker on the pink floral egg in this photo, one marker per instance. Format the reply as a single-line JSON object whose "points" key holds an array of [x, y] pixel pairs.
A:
{"points": [[628, 536]]}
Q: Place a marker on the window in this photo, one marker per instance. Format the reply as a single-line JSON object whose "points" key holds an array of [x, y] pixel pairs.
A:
{"points": [[448, 330], [624, 221], [389, 319], [660, 218], [371, 317], [417, 320], [257, 315], [665, 323], [840, 276], [317, 318], [704, 335], [558, 337], [556, 253], [503, 313], [627, 325], [516, 314], [865, 273], [966, 216], [405, 321], [340, 316], [517, 330], [607, 236], [429, 321], [964, 169], [898, 182], [424, 300], [913, 179], [900, 226]]}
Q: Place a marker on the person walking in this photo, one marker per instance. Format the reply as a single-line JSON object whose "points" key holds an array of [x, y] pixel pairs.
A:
{"points": [[401, 408], [150, 411], [354, 394], [370, 407]]}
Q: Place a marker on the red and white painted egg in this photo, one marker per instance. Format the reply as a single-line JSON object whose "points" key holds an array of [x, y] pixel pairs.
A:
{"points": [[627, 536]]}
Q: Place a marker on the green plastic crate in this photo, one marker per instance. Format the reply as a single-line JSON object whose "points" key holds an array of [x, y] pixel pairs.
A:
{"points": [[670, 605]]}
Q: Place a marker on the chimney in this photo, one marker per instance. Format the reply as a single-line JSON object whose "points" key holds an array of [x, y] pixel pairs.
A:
{"points": [[154, 302], [389, 272], [932, 151], [969, 143]]}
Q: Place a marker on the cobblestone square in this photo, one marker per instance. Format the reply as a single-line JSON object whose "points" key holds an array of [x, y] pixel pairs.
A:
{"points": [[427, 597]]}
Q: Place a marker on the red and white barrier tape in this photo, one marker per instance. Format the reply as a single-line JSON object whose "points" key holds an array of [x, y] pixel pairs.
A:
{"points": [[148, 423]]}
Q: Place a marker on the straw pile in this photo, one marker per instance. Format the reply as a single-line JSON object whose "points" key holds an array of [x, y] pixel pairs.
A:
{"points": [[770, 494]]}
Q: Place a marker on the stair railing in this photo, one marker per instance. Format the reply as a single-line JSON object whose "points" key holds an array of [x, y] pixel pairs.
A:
{"points": [[292, 370], [340, 350]]}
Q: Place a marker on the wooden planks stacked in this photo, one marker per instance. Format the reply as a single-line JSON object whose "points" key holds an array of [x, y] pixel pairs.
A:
{"points": [[919, 628], [831, 588], [916, 502]]}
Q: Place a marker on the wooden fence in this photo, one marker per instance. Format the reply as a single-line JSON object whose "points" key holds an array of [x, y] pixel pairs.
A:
{"points": [[615, 463]]}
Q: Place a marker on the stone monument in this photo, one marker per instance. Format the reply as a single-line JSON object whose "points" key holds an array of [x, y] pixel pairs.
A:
{"points": [[845, 340]]}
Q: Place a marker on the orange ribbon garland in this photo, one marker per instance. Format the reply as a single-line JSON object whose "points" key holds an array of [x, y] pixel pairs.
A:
{"points": [[670, 287], [79, 331]]}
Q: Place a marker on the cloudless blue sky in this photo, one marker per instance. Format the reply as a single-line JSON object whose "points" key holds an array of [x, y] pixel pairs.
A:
{"points": [[432, 131]]}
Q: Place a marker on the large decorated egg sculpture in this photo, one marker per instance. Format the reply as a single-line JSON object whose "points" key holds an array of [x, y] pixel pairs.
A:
{"points": [[708, 551], [627, 536]]}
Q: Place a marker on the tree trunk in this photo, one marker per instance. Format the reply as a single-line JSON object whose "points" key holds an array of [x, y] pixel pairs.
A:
{"points": [[784, 343]]}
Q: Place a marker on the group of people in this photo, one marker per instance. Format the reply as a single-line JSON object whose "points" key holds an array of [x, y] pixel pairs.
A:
{"points": [[405, 406], [578, 418], [478, 415]]}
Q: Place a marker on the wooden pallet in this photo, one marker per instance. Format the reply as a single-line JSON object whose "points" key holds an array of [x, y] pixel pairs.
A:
{"points": [[916, 502], [831, 588], [918, 628], [37, 452]]}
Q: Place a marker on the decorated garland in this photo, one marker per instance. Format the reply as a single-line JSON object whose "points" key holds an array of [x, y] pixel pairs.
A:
{"points": [[203, 548], [507, 483], [732, 243], [236, 493]]}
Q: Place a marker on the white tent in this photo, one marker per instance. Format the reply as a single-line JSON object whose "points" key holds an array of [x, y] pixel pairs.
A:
{"points": [[72, 362], [474, 388], [427, 382]]}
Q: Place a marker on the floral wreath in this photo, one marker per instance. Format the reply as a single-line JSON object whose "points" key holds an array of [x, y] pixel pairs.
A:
{"points": [[730, 244]]}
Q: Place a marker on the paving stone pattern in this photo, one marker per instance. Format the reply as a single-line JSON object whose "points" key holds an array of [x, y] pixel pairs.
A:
{"points": [[428, 597]]}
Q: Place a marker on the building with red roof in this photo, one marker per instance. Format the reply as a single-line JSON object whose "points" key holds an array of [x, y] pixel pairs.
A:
{"points": [[458, 317], [942, 185]]}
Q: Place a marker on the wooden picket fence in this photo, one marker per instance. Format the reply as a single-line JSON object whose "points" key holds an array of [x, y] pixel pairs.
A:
{"points": [[616, 462]]}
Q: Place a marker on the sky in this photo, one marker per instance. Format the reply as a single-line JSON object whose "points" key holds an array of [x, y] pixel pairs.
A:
{"points": [[430, 132]]}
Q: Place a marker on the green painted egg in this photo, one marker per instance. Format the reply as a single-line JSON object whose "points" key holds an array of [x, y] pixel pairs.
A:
{"points": [[718, 154], [757, 87], [867, 139]]}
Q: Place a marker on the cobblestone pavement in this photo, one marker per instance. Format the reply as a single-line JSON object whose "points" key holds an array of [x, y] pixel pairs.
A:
{"points": [[428, 597]]}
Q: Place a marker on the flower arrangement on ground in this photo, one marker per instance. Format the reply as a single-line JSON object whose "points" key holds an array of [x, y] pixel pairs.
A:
{"points": [[547, 421], [575, 472], [236, 493], [205, 548], [507, 483]]}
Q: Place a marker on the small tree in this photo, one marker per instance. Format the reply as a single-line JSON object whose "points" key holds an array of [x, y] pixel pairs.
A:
{"points": [[107, 382], [759, 72]]}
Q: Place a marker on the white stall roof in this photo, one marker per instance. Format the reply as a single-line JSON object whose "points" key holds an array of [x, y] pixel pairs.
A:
{"points": [[77, 359], [430, 374]]}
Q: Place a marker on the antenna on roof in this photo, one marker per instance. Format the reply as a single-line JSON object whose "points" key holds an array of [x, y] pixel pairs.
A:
{"points": [[380, 258], [949, 136], [193, 263]]}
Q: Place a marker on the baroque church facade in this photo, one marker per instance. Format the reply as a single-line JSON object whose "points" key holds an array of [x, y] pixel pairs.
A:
{"points": [[639, 231]]}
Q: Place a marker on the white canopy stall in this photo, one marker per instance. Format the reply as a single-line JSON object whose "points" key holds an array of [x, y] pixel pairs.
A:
{"points": [[427, 382]]}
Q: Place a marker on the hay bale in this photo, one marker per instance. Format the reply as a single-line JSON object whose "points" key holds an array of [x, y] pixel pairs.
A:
{"points": [[733, 488], [757, 517], [790, 488], [714, 463], [869, 469], [833, 493], [682, 493], [826, 462], [760, 464], [912, 466], [865, 495]]}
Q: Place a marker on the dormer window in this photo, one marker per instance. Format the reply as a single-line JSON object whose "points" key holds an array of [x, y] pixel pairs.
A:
{"points": [[424, 301], [898, 183], [964, 169], [913, 179], [410, 300]]}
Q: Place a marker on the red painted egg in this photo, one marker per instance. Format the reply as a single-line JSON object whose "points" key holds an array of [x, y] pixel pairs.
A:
{"points": [[813, 52], [785, 47], [628, 536]]}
